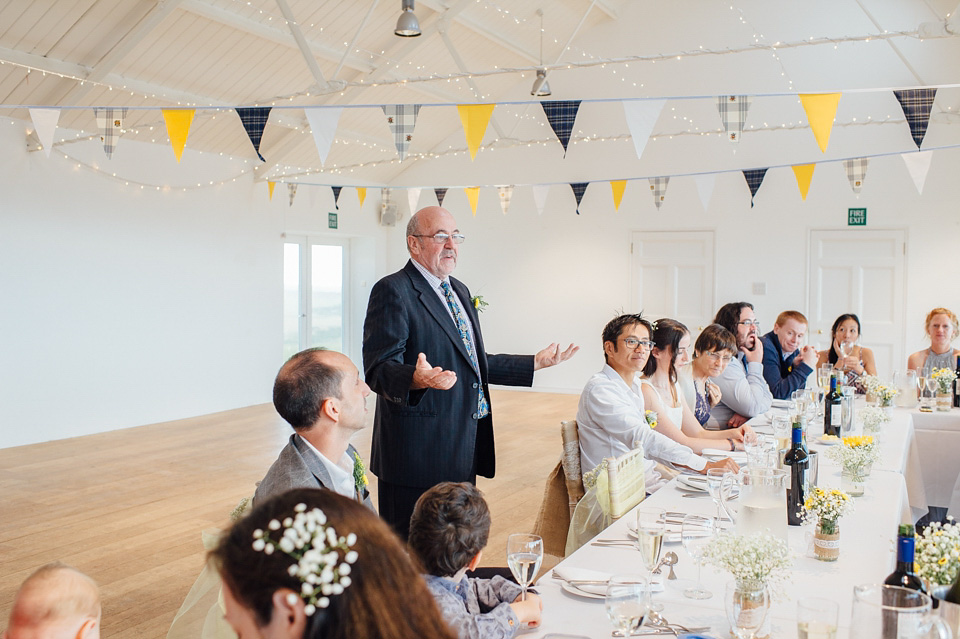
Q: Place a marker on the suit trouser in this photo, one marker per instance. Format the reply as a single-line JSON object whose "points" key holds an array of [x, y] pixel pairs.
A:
{"points": [[395, 504]]}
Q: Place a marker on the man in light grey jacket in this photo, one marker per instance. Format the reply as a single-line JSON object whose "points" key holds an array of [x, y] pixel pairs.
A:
{"points": [[319, 393]]}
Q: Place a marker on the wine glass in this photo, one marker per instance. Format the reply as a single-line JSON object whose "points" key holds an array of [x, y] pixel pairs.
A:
{"points": [[714, 478], [746, 610], [524, 554], [696, 534], [627, 601], [932, 387], [651, 527], [847, 348], [823, 376]]}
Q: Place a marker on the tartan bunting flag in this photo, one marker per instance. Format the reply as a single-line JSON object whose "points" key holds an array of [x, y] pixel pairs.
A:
{"points": [[291, 192], [505, 193], [754, 178], [856, 169], [474, 118], [658, 187], [336, 196], [642, 116], [178, 123], [110, 121], [540, 192], [916, 105], [617, 187], [918, 165], [473, 196], [579, 188], [561, 114], [323, 124], [361, 194], [45, 124], [804, 175], [705, 184], [254, 120], [270, 187], [413, 197], [440, 193], [402, 119], [821, 110], [733, 113]]}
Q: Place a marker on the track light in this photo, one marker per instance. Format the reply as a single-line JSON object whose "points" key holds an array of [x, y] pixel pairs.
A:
{"points": [[540, 87], [407, 25]]}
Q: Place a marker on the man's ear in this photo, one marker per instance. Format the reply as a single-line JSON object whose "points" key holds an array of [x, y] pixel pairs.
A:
{"points": [[412, 246], [330, 408], [288, 616], [609, 348]]}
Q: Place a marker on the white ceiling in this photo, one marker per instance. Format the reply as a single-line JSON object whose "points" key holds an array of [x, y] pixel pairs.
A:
{"points": [[210, 53]]}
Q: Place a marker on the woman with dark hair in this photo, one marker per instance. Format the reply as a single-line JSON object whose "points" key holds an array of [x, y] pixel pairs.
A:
{"points": [[310, 564], [661, 393], [845, 353]]}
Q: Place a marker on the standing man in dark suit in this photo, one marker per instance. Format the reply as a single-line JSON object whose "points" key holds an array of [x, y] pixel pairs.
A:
{"points": [[423, 354], [320, 394]]}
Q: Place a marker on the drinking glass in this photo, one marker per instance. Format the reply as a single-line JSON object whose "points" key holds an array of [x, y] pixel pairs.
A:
{"points": [[892, 611], [524, 554], [761, 451], [746, 610], [846, 348], [782, 430], [627, 602], [814, 405], [823, 376], [817, 618], [696, 534], [651, 527], [714, 478]]}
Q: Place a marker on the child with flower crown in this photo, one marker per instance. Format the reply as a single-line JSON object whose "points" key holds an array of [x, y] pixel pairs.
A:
{"points": [[448, 531]]}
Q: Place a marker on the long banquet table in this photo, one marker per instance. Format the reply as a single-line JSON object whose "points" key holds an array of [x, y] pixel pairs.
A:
{"points": [[938, 442], [867, 554]]}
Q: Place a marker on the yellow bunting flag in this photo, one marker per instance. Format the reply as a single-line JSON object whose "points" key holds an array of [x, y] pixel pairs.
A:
{"points": [[270, 186], [473, 194], [475, 118], [178, 127], [821, 109], [361, 195], [804, 173], [617, 186]]}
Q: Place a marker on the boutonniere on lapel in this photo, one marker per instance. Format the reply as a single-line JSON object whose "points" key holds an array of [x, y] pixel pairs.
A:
{"points": [[651, 417], [360, 480], [478, 303]]}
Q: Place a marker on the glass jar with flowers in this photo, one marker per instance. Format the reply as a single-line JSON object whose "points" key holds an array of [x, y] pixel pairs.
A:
{"points": [[826, 507], [856, 455], [879, 392], [944, 378], [872, 418], [759, 563]]}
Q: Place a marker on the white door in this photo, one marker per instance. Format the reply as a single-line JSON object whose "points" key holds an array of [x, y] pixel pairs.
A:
{"points": [[315, 294], [861, 272], [673, 276]]}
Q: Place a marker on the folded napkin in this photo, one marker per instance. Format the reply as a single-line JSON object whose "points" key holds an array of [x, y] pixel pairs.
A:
{"points": [[569, 573]]}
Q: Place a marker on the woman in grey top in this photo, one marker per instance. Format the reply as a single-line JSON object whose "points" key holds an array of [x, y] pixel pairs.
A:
{"points": [[942, 327]]}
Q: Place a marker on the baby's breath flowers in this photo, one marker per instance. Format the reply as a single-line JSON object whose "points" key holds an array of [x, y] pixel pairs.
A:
{"points": [[827, 506], [856, 453], [938, 552], [944, 377], [317, 549], [755, 560], [872, 418], [873, 385]]}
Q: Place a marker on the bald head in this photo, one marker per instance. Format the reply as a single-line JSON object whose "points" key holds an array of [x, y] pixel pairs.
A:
{"points": [[440, 258], [55, 602]]}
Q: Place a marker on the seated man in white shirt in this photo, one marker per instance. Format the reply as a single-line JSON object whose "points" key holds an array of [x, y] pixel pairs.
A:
{"points": [[744, 391], [320, 394], [611, 417]]}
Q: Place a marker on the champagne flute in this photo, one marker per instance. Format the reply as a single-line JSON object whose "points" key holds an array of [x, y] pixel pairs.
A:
{"points": [[524, 554], [651, 527], [627, 602], [714, 478], [696, 534], [817, 618]]}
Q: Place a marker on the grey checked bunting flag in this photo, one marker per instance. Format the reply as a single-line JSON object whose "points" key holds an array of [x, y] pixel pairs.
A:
{"points": [[856, 169], [402, 118], [658, 187], [292, 192], [916, 105], [110, 121], [754, 178], [254, 120], [505, 193], [733, 113], [561, 114]]}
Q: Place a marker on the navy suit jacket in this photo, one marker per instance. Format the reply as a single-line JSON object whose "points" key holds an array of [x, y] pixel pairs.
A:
{"points": [[782, 377], [426, 436]]}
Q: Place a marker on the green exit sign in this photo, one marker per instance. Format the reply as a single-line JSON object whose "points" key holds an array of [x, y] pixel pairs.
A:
{"points": [[856, 217], [331, 220]]}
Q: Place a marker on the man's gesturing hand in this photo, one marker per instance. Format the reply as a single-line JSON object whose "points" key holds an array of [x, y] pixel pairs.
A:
{"points": [[552, 355], [426, 376]]}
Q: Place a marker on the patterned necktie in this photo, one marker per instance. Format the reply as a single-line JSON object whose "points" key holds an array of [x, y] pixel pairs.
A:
{"points": [[483, 407]]}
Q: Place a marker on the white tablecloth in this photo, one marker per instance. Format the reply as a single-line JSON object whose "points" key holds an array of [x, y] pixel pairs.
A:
{"points": [[938, 442], [867, 556]]}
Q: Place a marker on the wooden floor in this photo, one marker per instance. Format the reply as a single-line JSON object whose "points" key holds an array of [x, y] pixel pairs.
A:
{"points": [[127, 507]]}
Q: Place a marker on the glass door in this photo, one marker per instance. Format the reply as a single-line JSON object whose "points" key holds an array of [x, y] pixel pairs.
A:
{"points": [[314, 294]]}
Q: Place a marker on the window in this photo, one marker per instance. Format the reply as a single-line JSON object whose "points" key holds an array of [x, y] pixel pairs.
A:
{"points": [[314, 294]]}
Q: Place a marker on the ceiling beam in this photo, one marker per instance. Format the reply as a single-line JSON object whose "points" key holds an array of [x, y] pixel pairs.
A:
{"points": [[490, 34], [463, 67], [604, 5], [302, 44], [105, 65]]}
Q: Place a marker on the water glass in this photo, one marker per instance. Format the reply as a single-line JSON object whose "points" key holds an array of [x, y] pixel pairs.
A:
{"points": [[714, 478], [817, 618], [696, 534], [524, 554], [627, 602]]}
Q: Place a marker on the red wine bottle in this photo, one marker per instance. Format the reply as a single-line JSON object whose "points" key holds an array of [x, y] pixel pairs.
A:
{"points": [[797, 461], [832, 414], [904, 575]]}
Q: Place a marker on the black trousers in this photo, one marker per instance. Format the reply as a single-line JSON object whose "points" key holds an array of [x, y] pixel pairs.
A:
{"points": [[395, 504]]}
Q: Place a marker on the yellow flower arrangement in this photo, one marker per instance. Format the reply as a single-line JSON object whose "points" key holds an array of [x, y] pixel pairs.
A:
{"points": [[651, 417]]}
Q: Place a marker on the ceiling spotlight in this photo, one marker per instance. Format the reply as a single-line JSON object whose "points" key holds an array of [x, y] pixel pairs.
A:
{"points": [[540, 86], [407, 25]]}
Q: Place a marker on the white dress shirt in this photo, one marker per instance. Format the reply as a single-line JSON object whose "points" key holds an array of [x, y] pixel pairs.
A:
{"points": [[610, 418], [744, 391], [342, 478]]}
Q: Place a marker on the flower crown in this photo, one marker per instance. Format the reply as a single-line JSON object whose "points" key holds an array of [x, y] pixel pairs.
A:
{"points": [[315, 546]]}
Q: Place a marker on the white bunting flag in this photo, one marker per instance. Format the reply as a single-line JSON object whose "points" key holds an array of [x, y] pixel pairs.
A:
{"points": [[705, 184], [45, 123], [413, 197], [642, 116], [918, 164], [540, 192], [323, 125]]}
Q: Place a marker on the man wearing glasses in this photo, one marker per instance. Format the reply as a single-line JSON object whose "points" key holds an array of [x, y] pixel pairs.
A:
{"points": [[611, 415], [423, 354], [744, 390]]}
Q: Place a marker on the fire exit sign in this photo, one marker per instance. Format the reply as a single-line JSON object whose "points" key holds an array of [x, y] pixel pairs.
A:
{"points": [[332, 220], [856, 217]]}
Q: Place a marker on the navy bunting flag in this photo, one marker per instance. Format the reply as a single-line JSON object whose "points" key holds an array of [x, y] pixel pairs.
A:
{"points": [[579, 188], [441, 193], [336, 196], [916, 105], [561, 114], [254, 120], [754, 178]]}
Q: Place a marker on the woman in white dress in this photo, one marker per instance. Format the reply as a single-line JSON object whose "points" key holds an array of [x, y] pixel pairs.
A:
{"points": [[942, 327], [661, 393]]}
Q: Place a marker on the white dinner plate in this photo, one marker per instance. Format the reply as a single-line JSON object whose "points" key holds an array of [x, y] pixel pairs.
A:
{"points": [[672, 536], [833, 441], [693, 482], [599, 591]]}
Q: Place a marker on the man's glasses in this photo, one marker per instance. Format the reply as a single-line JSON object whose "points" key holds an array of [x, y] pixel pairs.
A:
{"points": [[748, 323], [718, 357], [441, 238], [633, 343]]}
